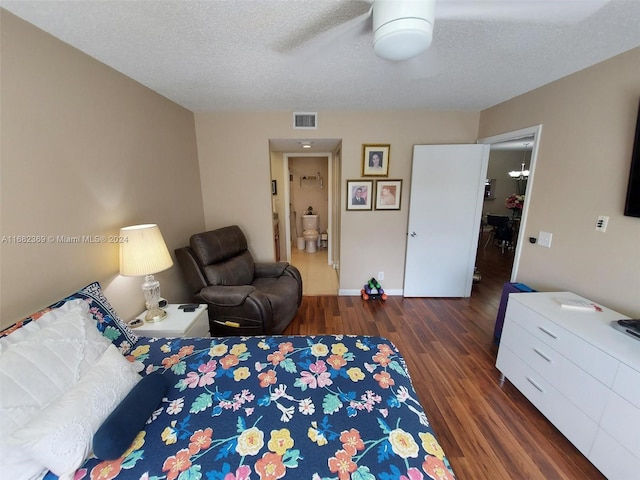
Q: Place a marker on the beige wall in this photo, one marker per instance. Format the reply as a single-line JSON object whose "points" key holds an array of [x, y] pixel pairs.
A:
{"points": [[581, 172], [85, 151], [233, 150]]}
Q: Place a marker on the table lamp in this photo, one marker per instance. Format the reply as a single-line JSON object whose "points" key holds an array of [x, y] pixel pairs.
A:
{"points": [[143, 252]]}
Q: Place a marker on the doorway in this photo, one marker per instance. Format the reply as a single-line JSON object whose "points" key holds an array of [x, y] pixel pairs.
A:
{"points": [[524, 147], [309, 194], [307, 174]]}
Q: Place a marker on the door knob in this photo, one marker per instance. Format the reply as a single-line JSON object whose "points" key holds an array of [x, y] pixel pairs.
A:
{"points": [[414, 234]]}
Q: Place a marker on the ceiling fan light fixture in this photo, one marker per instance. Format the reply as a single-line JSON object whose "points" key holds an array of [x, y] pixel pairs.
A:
{"points": [[402, 29], [402, 39]]}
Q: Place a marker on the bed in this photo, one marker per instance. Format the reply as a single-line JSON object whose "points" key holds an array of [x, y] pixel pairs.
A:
{"points": [[270, 407]]}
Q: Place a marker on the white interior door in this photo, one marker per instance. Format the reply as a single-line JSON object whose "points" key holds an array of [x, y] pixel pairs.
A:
{"points": [[445, 206]]}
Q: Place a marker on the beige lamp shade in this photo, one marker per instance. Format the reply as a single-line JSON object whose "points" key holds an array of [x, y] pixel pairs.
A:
{"points": [[143, 252]]}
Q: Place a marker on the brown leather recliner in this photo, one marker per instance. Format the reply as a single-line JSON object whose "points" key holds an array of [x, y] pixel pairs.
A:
{"points": [[243, 297]]}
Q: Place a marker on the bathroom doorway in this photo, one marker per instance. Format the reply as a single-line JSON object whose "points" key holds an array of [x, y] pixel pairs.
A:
{"points": [[308, 179], [309, 195]]}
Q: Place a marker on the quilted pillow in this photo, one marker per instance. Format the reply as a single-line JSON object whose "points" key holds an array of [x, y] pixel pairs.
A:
{"points": [[18, 335], [106, 318], [40, 368], [36, 371], [45, 317], [60, 438]]}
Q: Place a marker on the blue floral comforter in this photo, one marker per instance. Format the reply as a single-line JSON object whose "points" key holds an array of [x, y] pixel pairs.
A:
{"points": [[298, 407]]}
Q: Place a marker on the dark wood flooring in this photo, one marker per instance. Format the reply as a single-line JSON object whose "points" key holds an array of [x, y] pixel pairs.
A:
{"points": [[488, 431]]}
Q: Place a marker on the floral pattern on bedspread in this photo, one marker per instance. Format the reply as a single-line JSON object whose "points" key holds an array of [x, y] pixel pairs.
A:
{"points": [[249, 408]]}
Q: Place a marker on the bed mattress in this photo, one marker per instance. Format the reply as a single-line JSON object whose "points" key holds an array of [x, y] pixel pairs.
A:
{"points": [[316, 407]]}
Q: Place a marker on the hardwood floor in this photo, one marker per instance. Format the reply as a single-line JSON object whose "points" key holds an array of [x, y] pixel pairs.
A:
{"points": [[488, 431]]}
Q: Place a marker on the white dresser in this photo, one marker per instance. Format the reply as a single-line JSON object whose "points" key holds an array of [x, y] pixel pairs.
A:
{"points": [[581, 373]]}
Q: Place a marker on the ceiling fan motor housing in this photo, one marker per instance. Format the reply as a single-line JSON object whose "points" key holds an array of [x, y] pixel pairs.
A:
{"points": [[402, 29]]}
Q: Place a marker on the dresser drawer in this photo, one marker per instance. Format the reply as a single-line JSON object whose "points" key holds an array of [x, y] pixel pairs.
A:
{"points": [[584, 391], [594, 361], [613, 459], [621, 420], [572, 422], [627, 384]]}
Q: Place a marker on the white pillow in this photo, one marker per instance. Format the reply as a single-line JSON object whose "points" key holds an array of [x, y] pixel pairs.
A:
{"points": [[77, 305], [60, 438], [22, 333], [18, 465], [18, 335], [38, 364], [40, 369]]}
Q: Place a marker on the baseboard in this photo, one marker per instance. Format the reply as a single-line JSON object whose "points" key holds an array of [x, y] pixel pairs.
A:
{"points": [[356, 293]]}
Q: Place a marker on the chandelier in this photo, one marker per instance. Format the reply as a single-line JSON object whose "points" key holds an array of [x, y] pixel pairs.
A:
{"points": [[521, 174]]}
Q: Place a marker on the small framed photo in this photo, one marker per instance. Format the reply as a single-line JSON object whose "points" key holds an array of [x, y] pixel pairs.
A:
{"points": [[375, 160], [388, 194], [359, 194]]}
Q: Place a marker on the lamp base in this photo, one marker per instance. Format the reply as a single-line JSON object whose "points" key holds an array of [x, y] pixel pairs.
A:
{"points": [[155, 315]]}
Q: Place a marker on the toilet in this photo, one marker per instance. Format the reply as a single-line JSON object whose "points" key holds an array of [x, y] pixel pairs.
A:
{"points": [[310, 232]]}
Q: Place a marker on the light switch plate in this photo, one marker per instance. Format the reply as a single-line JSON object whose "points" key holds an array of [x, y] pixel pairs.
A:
{"points": [[601, 223], [544, 239]]}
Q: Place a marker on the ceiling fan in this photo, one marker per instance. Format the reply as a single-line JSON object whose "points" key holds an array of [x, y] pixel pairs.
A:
{"points": [[403, 29]]}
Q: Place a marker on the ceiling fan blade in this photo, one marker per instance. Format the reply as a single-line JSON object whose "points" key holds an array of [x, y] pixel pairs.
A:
{"points": [[545, 11], [345, 18]]}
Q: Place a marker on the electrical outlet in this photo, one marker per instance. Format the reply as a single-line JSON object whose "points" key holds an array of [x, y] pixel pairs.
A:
{"points": [[544, 239], [601, 224], [380, 275]]}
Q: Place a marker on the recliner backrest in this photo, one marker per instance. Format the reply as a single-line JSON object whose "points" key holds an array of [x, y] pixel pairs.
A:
{"points": [[223, 256], [237, 270]]}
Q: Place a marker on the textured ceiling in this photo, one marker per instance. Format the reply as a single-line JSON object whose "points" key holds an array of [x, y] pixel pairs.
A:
{"points": [[312, 55]]}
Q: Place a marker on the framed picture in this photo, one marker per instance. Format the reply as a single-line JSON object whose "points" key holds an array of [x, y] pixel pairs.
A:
{"points": [[274, 187], [388, 194], [359, 194], [375, 160]]}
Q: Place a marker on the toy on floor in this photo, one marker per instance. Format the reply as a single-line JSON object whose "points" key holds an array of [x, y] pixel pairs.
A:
{"points": [[373, 290]]}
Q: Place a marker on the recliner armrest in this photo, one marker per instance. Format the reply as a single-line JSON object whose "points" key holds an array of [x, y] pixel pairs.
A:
{"points": [[270, 270], [226, 296]]}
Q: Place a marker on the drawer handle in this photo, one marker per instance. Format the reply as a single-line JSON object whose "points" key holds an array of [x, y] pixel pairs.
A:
{"points": [[551, 334], [228, 323], [542, 355], [538, 387]]}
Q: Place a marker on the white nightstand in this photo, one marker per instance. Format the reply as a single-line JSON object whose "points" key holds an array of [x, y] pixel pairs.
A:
{"points": [[178, 323]]}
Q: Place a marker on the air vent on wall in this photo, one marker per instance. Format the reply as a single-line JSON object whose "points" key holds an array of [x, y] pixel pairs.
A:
{"points": [[305, 120]]}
